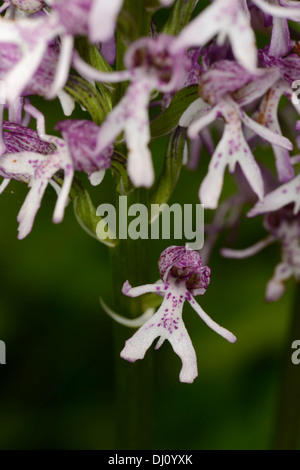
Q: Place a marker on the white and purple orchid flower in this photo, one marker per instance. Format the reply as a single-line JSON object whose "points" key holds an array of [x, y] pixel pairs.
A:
{"points": [[183, 277], [35, 157], [284, 227], [94, 18], [33, 34], [81, 137], [232, 19], [40, 83], [227, 99], [288, 193], [224, 18], [267, 115], [32, 38]]}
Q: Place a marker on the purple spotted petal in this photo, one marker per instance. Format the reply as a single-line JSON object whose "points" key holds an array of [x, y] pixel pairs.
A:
{"points": [[18, 138], [32, 37], [288, 66], [74, 14], [81, 138], [226, 18], [275, 287], [285, 194], [154, 59], [280, 41], [167, 324], [267, 115]]}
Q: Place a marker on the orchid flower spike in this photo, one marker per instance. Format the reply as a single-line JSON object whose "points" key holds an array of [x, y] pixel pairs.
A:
{"points": [[183, 277], [232, 148]]}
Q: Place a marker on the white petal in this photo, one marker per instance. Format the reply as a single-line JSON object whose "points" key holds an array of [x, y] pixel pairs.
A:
{"points": [[212, 184], [251, 169], [280, 42], [97, 177], [103, 18], [112, 127], [280, 197], [20, 166], [212, 324], [247, 252], [132, 323], [193, 112], [232, 149], [202, 122], [4, 184], [141, 290], [166, 3], [2, 143], [137, 135], [278, 11], [223, 17], [201, 29], [265, 133], [167, 325], [67, 102], [63, 66], [30, 207], [92, 74], [256, 88], [183, 347], [17, 79], [63, 197], [275, 287], [243, 42]]}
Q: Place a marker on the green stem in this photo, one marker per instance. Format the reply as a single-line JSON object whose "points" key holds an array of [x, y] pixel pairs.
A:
{"points": [[180, 16], [288, 421], [133, 382]]}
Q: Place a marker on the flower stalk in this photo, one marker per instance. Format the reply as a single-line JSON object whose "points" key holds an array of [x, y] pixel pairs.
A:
{"points": [[133, 382]]}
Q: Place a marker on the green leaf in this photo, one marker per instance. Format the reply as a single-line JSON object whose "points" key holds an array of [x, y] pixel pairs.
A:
{"points": [[92, 55], [166, 184], [83, 92], [168, 120], [85, 213], [89, 98], [124, 185], [134, 20]]}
